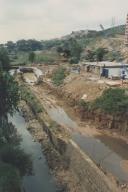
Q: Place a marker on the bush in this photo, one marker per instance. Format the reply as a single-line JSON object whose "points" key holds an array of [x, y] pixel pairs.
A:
{"points": [[100, 53], [9, 178], [59, 76], [17, 158], [113, 56], [112, 101], [30, 98], [84, 104]]}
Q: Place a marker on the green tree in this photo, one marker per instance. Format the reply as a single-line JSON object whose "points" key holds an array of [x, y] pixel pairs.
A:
{"points": [[17, 158], [12, 159], [90, 55], [71, 49], [75, 50], [9, 178], [32, 57], [10, 46], [4, 60], [59, 76], [112, 101], [9, 94], [100, 53]]}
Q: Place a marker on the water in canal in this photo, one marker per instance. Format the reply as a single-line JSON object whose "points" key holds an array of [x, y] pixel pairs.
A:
{"points": [[106, 151], [41, 181]]}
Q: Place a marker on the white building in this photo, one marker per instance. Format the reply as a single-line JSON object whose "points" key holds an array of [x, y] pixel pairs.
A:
{"points": [[107, 69]]}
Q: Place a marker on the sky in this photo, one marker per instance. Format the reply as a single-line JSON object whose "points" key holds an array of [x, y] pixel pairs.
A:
{"points": [[46, 19]]}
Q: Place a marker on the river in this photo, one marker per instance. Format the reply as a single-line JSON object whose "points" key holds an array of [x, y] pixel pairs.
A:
{"points": [[41, 180]]}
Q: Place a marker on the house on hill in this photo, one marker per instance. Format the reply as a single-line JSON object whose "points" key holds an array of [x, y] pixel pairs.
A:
{"points": [[110, 70]]}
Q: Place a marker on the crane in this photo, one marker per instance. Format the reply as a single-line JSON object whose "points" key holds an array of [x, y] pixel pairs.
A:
{"points": [[102, 27]]}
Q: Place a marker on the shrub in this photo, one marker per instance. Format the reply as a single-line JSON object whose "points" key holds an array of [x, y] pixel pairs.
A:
{"points": [[59, 76], [9, 178], [84, 104], [112, 101], [113, 56], [30, 98], [17, 158]]}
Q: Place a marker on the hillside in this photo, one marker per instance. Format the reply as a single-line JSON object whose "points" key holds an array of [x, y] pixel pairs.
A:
{"points": [[111, 39]]}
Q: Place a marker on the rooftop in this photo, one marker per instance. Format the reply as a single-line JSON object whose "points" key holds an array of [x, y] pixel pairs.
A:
{"points": [[105, 63]]}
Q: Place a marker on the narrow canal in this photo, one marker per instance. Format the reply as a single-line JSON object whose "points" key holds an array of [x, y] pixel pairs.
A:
{"points": [[41, 180]]}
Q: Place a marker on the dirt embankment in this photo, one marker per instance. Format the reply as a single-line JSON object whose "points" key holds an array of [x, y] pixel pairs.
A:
{"points": [[72, 93]]}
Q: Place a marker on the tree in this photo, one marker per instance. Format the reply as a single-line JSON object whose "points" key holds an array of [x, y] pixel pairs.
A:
{"points": [[32, 57], [10, 46], [14, 163], [71, 49], [99, 53], [9, 94], [9, 178], [28, 45], [59, 76], [4, 59], [113, 101], [75, 50], [17, 158], [90, 55]]}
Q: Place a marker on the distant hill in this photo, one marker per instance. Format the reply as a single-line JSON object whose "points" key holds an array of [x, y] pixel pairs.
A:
{"points": [[111, 39], [118, 30]]}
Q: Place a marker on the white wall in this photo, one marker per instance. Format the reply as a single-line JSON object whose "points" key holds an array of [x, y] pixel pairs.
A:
{"points": [[114, 72]]}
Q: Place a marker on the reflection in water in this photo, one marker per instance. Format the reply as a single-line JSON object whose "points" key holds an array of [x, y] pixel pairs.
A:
{"points": [[41, 181]]}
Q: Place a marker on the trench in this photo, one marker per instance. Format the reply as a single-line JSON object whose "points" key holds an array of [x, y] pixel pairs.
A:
{"points": [[40, 180]]}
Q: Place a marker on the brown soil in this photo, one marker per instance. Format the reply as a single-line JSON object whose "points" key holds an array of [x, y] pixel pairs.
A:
{"points": [[78, 85]]}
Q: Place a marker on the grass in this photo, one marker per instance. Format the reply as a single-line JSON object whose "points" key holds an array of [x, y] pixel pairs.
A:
{"points": [[30, 98], [59, 76], [21, 58]]}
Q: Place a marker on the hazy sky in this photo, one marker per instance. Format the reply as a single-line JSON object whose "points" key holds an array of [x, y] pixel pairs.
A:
{"points": [[44, 19]]}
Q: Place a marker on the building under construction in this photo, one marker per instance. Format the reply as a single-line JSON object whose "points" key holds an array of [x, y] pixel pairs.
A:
{"points": [[126, 33]]}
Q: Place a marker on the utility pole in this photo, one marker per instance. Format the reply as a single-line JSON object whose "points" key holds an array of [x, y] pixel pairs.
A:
{"points": [[126, 33]]}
